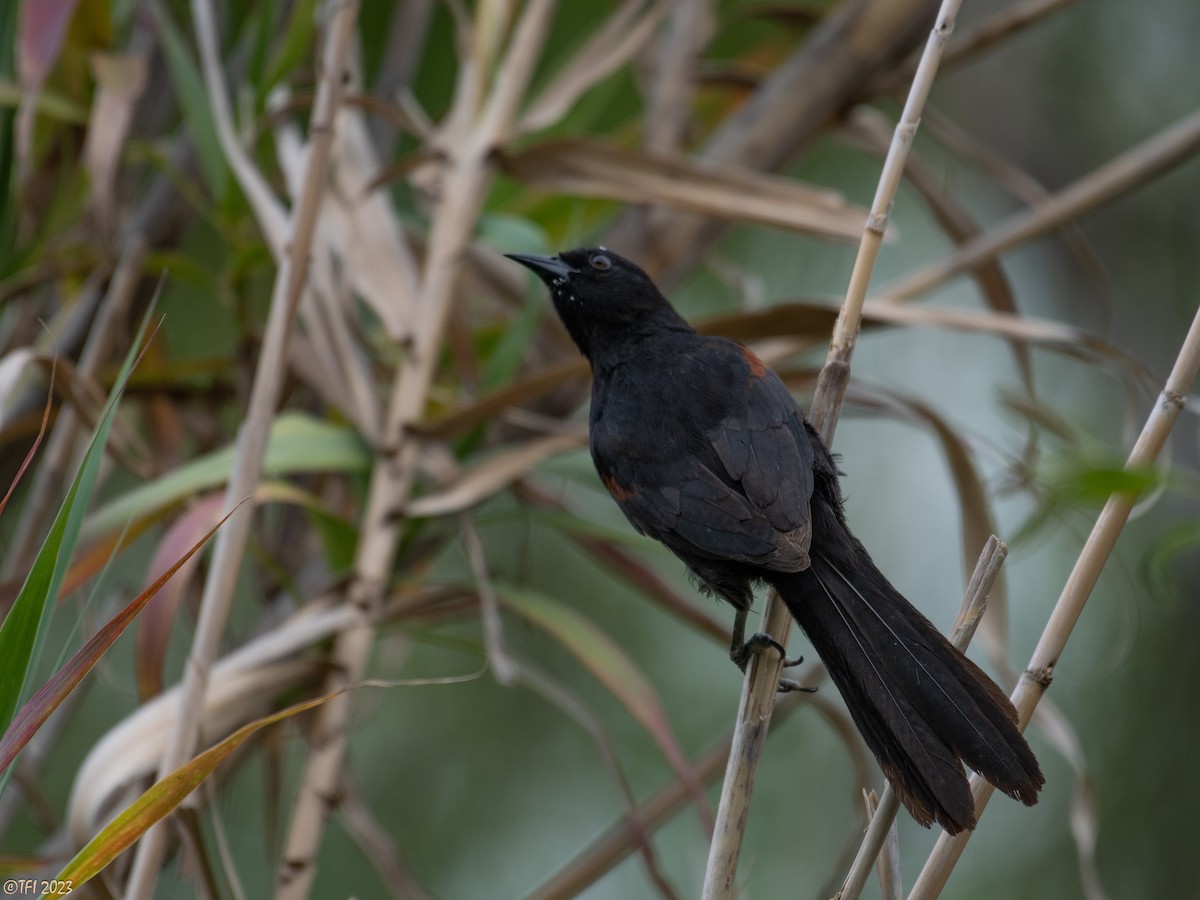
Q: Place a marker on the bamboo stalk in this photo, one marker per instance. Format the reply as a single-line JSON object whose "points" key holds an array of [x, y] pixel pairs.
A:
{"points": [[474, 126], [264, 399], [1098, 547], [762, 677]]}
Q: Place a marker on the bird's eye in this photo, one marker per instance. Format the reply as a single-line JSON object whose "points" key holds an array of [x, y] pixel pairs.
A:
{"points": [[600, 262]]}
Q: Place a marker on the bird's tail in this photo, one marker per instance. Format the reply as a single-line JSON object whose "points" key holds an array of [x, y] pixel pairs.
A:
{"points": [[922, 707]]}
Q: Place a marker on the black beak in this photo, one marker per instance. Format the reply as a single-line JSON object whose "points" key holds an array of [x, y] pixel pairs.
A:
{"points": [[546, 268]]}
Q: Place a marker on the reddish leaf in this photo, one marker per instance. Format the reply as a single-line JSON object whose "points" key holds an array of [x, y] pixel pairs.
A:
{"points": [[101, 553], [162, 798], [37, 442], [154, 626], [35, 713], [42, 30]]}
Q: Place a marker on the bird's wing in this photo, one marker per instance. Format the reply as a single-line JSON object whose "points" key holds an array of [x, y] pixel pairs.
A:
{"points": [[763, 446], [744, 496], [698, 515]]}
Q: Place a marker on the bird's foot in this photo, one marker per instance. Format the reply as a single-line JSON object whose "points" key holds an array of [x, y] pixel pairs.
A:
{"points": [[741, 658]]}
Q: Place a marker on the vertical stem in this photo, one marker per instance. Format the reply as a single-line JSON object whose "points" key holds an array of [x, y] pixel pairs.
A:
{"points": [[475, 125], [255, 430]]}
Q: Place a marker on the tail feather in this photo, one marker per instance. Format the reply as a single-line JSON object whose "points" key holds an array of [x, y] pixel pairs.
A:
{"points": [[920, 704]]}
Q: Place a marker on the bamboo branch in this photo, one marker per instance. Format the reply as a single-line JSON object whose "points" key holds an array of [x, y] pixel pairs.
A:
{"points": [[474, 126], [762, 677], [1099, 546], [264, 399], [1118, 176], [888, 858]]}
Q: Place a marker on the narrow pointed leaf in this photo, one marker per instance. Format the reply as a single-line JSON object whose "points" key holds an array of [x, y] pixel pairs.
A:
{"points": [[25, 626], [493, 474], [609, 664], [163, 796], [37, 443], [590, 168], [298, 443], [35, 713]]}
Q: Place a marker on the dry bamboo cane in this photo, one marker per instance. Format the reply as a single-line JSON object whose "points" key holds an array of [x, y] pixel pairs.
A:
{"points": [[478, 122], [1037, 675], [252, 438]]}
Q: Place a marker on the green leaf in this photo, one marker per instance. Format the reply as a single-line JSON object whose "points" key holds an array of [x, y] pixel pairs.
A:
{"points": [[39, 708], [609, 664], [294, 46], [298, 443], [162, 797], [564, 521], [1098, 482], [510, 349], [193, 99], [24, 628], [592, 647]]}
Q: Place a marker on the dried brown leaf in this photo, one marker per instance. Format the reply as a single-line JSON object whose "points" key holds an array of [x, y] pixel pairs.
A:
{"points": [[1085, 818], [593, 169], [490, 406], [42, 30], [1065, 338], [954, 220], [368, 232], [612, 45], [119, 82], [130, 751], [638, 573], [490, 476], [977, 521]]}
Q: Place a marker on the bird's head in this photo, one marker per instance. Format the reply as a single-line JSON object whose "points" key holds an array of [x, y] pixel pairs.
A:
{"points": [[603, 299]]}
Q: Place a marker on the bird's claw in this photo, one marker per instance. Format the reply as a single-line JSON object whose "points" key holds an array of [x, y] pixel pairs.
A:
{"points": [[741, 657], [788, 686]]}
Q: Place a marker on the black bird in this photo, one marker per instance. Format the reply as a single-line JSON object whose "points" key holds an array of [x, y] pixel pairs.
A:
{"points": [[704, 448]]}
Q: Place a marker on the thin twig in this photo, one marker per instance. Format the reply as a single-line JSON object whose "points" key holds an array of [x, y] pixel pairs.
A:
{"points": [[499, 661], [1135, 166], [987, 570], [1099, 546], [969, 44], [762, 677], [376, 844], [888, 859], [618, 841], [638, 830], [264, 399]]}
